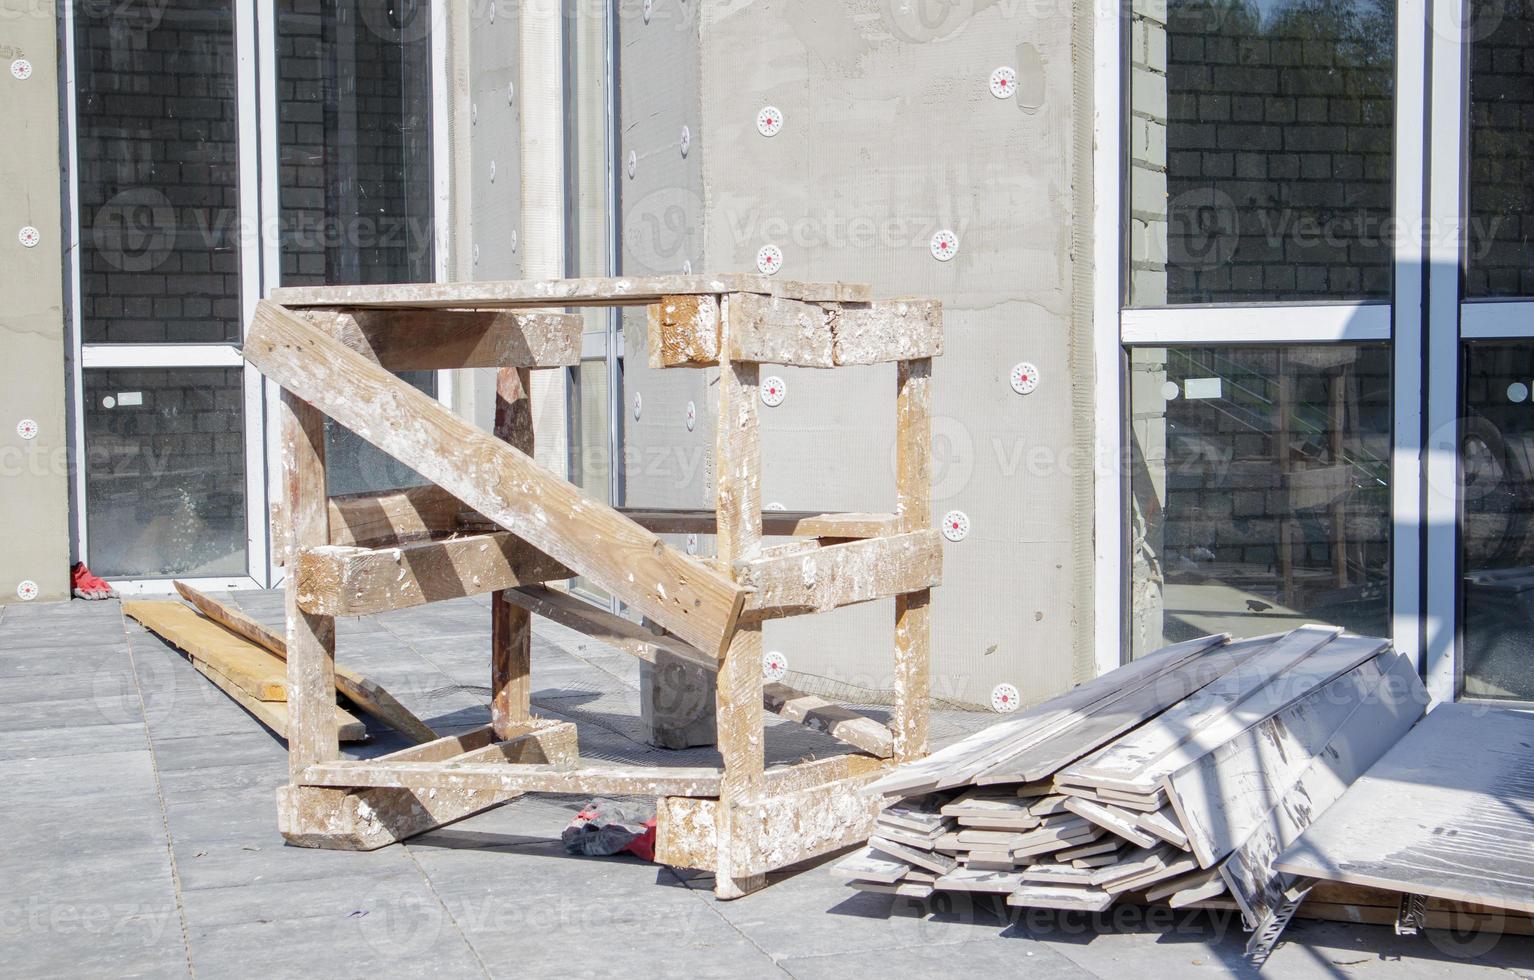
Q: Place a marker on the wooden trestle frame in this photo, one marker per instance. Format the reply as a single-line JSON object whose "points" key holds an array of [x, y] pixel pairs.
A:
{"points": [[492, 520]]}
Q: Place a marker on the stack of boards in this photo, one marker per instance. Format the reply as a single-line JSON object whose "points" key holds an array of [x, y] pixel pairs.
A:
{"points": [[1179, 777]]}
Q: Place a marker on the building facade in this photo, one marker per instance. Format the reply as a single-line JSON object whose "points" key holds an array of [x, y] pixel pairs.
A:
{"points": [[1237, 292]]}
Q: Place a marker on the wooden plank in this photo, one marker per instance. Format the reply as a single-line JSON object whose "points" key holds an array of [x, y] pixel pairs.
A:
{"points": [[790, 826], [494, 777], [838, 721], [1063, 897], [1111, 818], [913, 509], [827, 578], [627, 291], [1376, 725], [783, 330], [739, 697], [441, 339], [310, 640], [505, 485], [363, 692], [684, 331], [443, 748], [1121, 763], [775, 523], [367, 819], [957, 763], [1163, 824], [275, 714], [599, 624], [1223, 796], [511, 626], [338, 581], [774, 330], [1340, 656], [393, 517], [249, 667], [1445, 813], [1113, 717], [893, 330]]}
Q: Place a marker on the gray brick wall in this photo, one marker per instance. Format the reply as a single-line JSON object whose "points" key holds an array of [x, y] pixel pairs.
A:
{"points": [[1500, 230]]}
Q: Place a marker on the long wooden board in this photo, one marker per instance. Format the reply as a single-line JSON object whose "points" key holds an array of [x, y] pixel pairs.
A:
{"points": [[599, 624], [529, 294], [1335, 659], [840, 575], [952, 761], [496, 777], [1448, 812], [437, 340], [684, 596], [1223, 796], [244, 664], [838, 721], [362, 691], [1368, 734], [1129, 755], [274, 714]]}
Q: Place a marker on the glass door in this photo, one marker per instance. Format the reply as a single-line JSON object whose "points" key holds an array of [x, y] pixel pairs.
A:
{"points": [[218, 149]]}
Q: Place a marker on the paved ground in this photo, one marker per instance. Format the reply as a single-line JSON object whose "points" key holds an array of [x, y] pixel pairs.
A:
{"points": [[141, 841]]}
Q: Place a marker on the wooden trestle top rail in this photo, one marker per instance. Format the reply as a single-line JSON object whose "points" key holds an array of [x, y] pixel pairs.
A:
{"points": [[493, 520]]}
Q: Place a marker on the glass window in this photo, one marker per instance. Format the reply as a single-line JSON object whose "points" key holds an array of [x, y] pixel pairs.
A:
{"points": [[165, 472], [159, 210], [1260, 151], [1259, 490], [1497, 520], [354, 141], [1500, 227]]}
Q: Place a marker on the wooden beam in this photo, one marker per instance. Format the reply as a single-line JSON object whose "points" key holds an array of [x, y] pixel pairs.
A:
{"points": [[440, 340], [599, 624], [311, 638], [275, 714], [838, 721], [248, 666], [738, 503], [684, 596], [511, 627], [684, 331], [393, 517], [367, 819], [841, 574], [627, 291], [503, 777], [773, 330], [363, 692], [775, 523], [363, 581], [913, 509]]}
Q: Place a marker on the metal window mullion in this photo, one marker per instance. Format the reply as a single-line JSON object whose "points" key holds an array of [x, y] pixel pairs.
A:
{"points": [[1266, 324], [75, 366], [1411, 148], [248, 44], [1440, 505]]}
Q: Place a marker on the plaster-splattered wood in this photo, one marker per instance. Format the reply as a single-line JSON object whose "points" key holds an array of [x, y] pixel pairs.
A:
{"points": [[367, 819], [913, 510], [1368, 734], [599, 624], [822, 579], [684, 331], [738, 701], [363, 692], [773, 330], [956, 763], [781, 523], [511, 626], [1445, 813], [339, 581], [437, 340], [1200, 716], [1223, 796], [1111, 818], [491, 777], [502, 483], [893, 330], [1112, 718], [838, 721], [311, 638], [628, 291]]}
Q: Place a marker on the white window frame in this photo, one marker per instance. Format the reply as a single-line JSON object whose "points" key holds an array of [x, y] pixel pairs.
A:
{"points": [[1399, 321]]}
